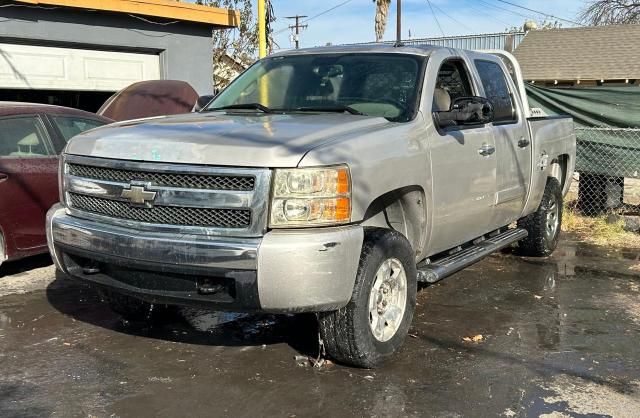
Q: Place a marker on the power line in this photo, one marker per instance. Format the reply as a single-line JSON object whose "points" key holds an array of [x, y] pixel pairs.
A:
{"points": [[450, 17], [316, 15], [328, 10], [504, 9], [488, 15], [542, 13], [436, 18]]}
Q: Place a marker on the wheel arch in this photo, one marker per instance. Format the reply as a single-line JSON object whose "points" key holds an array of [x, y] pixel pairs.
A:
{"points": [[559, 169], [404, 210]]}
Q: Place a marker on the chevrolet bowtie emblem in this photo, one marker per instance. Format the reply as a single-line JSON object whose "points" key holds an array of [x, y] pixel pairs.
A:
{"points": [[138, 195]]}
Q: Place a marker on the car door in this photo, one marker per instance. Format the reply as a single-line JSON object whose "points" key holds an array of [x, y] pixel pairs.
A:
{"points": [[463, 163], [28, 181], [513, 148]]}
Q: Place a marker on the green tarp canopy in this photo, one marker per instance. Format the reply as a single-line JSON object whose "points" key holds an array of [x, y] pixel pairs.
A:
{"points": [[608, 150]]}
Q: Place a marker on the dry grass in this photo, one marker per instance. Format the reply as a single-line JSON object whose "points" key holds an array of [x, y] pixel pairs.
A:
{"points": [[596, 230]]}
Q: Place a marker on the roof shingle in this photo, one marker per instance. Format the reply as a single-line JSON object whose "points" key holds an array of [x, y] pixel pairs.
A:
{"points": [[586, 53]]}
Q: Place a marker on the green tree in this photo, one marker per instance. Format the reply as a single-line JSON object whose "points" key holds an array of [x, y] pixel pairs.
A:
{"points": [[382, 15], [241, 43]]}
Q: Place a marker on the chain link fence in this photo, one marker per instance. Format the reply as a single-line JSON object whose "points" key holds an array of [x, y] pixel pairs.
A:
{"points": [[607, 176]]}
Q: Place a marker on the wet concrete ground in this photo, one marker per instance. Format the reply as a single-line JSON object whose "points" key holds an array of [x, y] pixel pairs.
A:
{"points": [[561, 337]]}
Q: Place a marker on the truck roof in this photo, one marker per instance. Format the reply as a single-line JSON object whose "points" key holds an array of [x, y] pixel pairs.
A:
{"points": [[424, 50]]}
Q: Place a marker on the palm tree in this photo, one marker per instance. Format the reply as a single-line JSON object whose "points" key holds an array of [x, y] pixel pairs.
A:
{"points": [[382, 13]]}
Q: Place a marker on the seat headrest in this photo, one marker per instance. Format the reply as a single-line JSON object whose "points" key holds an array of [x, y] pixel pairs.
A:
{"points": [[441, 100]]}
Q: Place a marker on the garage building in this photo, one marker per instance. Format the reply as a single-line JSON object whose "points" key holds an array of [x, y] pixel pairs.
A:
{"points": [[77, 53]]}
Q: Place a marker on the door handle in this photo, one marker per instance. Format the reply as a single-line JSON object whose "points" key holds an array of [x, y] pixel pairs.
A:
{"points": [[3, 177], [523, 143], [486, 150]]}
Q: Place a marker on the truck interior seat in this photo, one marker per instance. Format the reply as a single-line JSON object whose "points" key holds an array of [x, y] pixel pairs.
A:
{"points": [[441, 100]]}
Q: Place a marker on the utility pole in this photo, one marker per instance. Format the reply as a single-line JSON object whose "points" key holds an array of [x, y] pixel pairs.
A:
{"points": [[262, 29], [399, 23], [296, 28]]}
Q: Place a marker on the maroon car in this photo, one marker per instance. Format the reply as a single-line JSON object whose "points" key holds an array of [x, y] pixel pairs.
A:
{"points": [[150, 98], [31, 138]]}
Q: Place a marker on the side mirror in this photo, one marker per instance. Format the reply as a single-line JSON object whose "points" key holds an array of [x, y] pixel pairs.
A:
{"points": [[203, 101], [466, 111]]}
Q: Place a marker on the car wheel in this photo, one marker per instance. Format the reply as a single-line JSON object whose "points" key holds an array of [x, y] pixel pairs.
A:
{"points": [[376, 320], [544, 224]]}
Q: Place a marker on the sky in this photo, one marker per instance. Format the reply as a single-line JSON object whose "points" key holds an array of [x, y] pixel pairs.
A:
{"points": [[354, 21]]}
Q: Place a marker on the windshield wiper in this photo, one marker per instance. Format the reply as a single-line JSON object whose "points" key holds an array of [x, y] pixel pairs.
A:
{"points": [[244, 106], [338, 108]]}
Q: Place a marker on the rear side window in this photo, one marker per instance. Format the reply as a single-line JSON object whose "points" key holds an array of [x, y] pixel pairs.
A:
{"points": [[23, 137], [497, 91], [70, 126]]}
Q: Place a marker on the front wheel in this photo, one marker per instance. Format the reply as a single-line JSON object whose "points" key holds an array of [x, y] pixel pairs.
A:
{"points": [[544, 224], [376, 320]]}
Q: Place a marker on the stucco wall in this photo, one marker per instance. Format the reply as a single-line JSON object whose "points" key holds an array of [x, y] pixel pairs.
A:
{"points": [[185, 49]]}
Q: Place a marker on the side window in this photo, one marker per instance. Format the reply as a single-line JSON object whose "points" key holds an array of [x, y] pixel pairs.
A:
{"points": [[70, 126], [23, 137], [497, 91], [452, 83]]}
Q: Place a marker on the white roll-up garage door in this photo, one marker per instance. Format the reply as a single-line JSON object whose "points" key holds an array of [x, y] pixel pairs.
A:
{"points": [[52, 68]]}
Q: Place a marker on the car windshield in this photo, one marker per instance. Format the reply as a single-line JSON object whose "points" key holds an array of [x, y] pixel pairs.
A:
{"points": [[385, 85]]}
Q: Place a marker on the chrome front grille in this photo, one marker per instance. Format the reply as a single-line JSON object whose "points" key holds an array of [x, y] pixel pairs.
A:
{"points": [[168, 197], [164, 215], [189, 181]]}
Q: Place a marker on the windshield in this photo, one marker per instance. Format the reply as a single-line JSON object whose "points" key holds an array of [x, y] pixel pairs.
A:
{"points": [[385, 85]]}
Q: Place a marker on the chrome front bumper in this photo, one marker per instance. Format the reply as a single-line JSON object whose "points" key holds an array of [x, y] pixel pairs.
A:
{"points": [[285, 271]]}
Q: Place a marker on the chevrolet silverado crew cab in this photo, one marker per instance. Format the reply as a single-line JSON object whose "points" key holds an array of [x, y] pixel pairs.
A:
{"points": [[327, 180]]}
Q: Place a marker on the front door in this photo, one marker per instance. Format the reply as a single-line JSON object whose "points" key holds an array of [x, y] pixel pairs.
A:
{"points": [[463, 166], [28, 181]]}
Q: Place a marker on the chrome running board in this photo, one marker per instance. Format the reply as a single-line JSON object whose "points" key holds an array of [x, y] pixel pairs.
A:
{"points": [[431, 272]]}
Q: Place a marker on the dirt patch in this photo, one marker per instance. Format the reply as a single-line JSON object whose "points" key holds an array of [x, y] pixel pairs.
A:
{"points": [[628, 300]]}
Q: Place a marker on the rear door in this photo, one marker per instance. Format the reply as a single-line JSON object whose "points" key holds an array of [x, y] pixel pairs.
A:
{"points": [[28, 181], [513, 147]]}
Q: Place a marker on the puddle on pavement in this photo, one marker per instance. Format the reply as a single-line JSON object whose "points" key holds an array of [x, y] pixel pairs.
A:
{"points": [[206, 320], [545, 326]]}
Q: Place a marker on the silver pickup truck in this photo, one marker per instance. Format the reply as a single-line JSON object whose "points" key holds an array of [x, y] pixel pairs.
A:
{"points": [[328, 180]]}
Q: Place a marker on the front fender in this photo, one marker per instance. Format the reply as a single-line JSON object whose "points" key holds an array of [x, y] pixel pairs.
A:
{"points": [[382, 161]]}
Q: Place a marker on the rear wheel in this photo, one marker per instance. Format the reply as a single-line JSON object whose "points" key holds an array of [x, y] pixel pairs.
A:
{"points": [[376, 320], [544, 224]]}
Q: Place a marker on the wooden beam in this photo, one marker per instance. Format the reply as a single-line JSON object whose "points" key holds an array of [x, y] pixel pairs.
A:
{"points": [[166, 9]]}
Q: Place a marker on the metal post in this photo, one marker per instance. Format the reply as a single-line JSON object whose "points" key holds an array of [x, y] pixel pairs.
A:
{"points": [[399, 23], [297, 32], [262, 29]]}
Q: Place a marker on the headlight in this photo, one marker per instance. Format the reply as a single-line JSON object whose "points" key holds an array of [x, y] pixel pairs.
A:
{"points": [[311, 196]]}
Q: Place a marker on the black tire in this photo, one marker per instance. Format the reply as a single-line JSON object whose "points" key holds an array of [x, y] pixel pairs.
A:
{"points": [[347, 333], [541, 242]]}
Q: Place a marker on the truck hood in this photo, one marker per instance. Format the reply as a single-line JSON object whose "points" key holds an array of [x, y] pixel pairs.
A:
{"points": [[219, 138]]}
